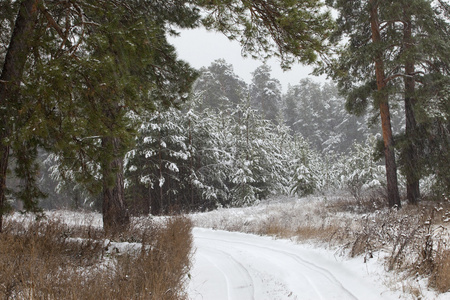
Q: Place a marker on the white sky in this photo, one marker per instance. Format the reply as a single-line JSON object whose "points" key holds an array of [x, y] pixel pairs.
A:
{"points": [[200, 47]]}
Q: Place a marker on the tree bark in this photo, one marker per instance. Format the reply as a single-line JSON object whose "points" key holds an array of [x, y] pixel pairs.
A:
{"points": [[10, 80], [383, 99], [115, 213], [410, 152]]}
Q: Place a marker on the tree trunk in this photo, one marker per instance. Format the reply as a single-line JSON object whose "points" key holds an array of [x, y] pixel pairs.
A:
{"points": [[410, 152], [10, 79], [115, 214], [155, 207], [383, 99]]}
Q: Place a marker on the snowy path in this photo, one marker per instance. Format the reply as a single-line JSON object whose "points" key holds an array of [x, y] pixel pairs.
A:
{"points": [[239, 266]]}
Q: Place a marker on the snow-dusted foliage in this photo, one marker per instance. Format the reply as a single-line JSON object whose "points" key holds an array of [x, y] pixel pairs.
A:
{"points": [[157, 167], [260, 162], [198, 160], [219, 86], [359, 172], [265, 93], [318, 113], [308, 169]]}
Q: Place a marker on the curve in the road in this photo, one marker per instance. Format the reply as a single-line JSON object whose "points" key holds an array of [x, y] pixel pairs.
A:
{"points": [[239, 266]]}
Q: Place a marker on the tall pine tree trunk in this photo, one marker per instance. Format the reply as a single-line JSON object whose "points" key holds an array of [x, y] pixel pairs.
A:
{"points": [[157, 201], [10, 79], [410, 152], [115, 213], [383, 99]]}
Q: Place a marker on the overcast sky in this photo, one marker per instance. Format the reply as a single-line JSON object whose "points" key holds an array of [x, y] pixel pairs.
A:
{"points": [[200, 47]]}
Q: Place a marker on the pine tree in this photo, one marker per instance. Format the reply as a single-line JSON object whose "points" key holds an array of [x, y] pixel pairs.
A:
{"points": [[10, 80], [159, 163], [220, 86], [84, 77], [265, 94], [409, 47], [420, 25], [362, 69], [75, 71]]}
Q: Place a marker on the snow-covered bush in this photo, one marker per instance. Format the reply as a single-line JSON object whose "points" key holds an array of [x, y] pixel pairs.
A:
{"points": [[307, 174], [358, 171]]}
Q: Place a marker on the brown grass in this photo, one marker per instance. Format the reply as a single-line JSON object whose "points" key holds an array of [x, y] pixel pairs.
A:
{"points": [[51, 260], [441, 276]]}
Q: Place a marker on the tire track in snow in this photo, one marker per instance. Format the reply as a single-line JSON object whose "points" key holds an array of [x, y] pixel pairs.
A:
{"points": [[261, 268], [236, 276], [310, 266]]}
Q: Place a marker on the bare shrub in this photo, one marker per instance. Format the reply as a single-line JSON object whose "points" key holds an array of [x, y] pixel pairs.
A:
{"points": [[368, 202], [273, 227], [414, 238], [52, 260]]}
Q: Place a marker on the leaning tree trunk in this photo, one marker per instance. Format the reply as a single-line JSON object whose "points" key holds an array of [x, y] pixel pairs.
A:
{"points": [[383, 99], [115, 213], [410, 152], [10, 79]]}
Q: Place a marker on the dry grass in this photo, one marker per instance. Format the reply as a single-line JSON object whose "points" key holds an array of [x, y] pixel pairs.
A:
{"points": [[52, 260], [414, 238], [441, 276]]}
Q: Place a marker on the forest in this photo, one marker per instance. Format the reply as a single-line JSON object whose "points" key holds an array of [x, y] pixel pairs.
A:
{"points": [[99, 116], [233, 144], [99, 113]]}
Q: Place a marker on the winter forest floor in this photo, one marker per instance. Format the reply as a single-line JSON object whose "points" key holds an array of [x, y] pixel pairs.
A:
{"points": [[398, 254]]}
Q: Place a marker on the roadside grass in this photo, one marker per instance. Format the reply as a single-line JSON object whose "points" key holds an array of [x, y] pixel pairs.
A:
{"points": [[50, 259], [413, 241]]}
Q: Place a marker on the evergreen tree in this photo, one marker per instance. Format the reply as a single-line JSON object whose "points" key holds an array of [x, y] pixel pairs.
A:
{"points": [[84, 77], [308, 173], [74, 71], [259, 161], [409, 47], [317, 112], [220, 86], [362, 71], [265, 93], [423, 53], [358, 171], [10, 80]]}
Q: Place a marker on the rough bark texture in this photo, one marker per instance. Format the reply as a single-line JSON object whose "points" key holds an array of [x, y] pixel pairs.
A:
{"points": [[410, 152], [383, 98], [155, 206], [115, 213], [10, 79], [157, 202]]}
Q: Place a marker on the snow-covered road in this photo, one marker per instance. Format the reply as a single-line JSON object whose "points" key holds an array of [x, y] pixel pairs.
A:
{"points": [[229, 265]]}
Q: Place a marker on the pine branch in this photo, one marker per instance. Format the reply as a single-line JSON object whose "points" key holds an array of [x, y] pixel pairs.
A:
{"points": [[403, 75]]}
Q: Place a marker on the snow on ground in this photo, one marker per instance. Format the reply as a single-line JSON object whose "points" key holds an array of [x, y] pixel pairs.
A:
{"points": [[237, 265], [245, 266], [231, 265]]}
